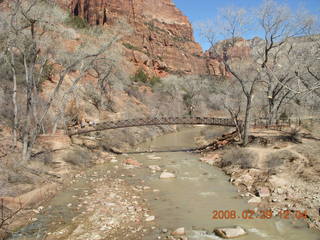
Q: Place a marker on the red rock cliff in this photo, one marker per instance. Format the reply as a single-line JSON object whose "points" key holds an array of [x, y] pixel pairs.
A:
{"points": [[162, 41]]}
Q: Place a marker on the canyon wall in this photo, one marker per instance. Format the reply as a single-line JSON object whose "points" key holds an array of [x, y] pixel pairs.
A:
{"points": [[162, 41]]}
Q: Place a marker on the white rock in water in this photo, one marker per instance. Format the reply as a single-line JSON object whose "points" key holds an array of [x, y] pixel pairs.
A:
{"points": [[179, 231], [155, 167], [230, 232], [254, 200], [153, 157], [150, 218], [165, 175]]}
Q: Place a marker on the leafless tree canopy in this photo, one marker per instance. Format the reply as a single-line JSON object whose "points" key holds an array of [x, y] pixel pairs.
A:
{"points": [[275, 71], [30, 50]]}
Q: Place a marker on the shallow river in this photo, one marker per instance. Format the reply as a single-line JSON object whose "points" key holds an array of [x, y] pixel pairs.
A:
{"points": [[186, 201], [199, 189]]}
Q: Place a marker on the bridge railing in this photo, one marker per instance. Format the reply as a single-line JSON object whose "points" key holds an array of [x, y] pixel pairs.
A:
{"points": [[278, 123], [150, 121]]}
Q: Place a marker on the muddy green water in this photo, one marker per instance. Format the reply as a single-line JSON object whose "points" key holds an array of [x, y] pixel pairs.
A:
{"points": [[186, 201]]}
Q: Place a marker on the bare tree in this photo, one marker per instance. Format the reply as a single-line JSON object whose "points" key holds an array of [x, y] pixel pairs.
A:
{"points": [[192, 88], [229, 96], [234, 22], [208, 31], [278, 25], [6, 217], [27, 40], [278, 56]]}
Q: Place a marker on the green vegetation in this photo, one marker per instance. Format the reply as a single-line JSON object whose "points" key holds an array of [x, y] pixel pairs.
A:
{"points": [[181, 39], [130, 46], [142, 77], [154, 28], [76, 22], [187, 99], [155, 80]]}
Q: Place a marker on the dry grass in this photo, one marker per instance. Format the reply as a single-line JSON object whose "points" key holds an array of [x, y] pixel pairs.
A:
{"points": [[78, 157], [238, 156]]}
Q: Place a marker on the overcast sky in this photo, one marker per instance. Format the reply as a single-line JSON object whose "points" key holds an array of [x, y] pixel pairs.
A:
{"points": [[201, 10]]}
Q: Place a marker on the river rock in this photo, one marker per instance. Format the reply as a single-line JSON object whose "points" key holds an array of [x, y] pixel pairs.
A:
{"points": [[116, 150], [264, 192], [150, 218], [132, 162], [245, 179], [155, 167], [230, 232], [211, 159], [179, 231], [254, 200], [165, 175], [164, 230]]}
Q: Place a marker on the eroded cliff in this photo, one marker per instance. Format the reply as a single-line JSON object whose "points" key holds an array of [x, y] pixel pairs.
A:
{"points": [[162, 41]]}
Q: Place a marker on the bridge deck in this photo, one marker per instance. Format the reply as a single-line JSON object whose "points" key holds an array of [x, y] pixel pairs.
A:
{"points": [[150, 122]]}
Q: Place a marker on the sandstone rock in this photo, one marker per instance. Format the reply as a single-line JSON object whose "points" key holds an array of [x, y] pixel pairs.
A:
{"points": [[179, 231], [166, 175], [91, 143], [29, 198], [132, 162], [162, 39], [211, 159], [57, 141], [230, 232], [245, 179]]}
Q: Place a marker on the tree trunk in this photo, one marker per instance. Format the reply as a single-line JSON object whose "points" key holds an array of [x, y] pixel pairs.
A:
{"points": [[14, 100], [28, 115], [247, 121]]}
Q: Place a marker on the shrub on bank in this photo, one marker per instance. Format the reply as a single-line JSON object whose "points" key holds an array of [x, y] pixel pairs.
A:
{"points": [[142, 77], [78, 157], [237, 156], [76, 22]]}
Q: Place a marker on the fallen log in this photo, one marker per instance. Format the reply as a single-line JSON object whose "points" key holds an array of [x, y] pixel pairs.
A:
{"points": [[219, 143]]}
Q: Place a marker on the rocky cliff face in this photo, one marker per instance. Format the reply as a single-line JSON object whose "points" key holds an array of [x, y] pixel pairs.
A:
{"points": [[162, 41], [241, 49]]}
